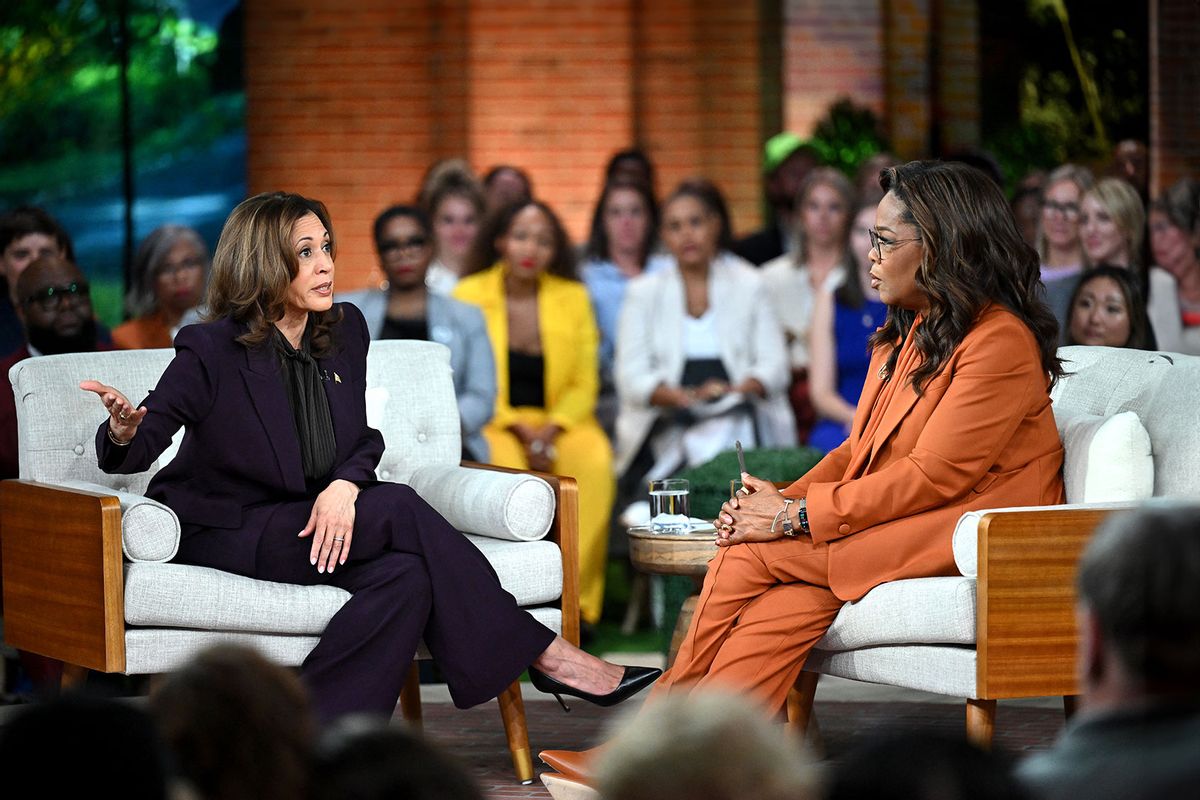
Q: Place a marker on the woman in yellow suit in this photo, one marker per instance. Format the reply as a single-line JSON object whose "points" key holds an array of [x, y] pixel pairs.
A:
{"points": [[539, 318]]}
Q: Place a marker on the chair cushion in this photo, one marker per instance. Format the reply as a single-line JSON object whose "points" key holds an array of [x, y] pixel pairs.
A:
{"points": [[183, 596], [944, 669], [149, 530], [500, 505], [1107, 458], [916, 610]]}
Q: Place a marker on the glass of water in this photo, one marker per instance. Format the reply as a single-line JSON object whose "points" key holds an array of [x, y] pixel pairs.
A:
{"points": [[669, 507]]}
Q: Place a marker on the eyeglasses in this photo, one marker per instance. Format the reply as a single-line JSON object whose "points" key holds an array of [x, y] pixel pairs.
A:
{"points": [[1067, 210], [49, 298], [878, 243], [392, 247]]}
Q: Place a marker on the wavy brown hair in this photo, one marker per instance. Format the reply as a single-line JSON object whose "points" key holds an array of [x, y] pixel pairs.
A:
{"points": [[255, 263], [973, 255]]}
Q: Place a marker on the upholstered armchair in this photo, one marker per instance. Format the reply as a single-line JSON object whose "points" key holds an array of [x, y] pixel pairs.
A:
{"points": [[86, 558], [1005, 626]]}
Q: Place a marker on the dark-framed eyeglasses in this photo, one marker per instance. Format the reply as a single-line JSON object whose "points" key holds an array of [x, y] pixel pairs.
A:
{"points": [[48, 299], [392, 247], [1068, 211], [881, 244]]}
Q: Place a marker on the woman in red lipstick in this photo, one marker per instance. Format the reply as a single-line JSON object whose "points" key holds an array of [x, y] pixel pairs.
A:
{"points": [[168, 282], [544, 337]]}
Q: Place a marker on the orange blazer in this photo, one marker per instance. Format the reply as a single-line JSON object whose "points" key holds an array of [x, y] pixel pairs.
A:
{"points": [[982, 435]]}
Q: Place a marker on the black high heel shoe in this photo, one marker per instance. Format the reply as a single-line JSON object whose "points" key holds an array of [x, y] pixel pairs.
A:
{"points": [[633, 681]]}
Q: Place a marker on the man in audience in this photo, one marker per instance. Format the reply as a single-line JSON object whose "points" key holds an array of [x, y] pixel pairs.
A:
{"points": [[26, 233], [787, 160], [1138, 735]]}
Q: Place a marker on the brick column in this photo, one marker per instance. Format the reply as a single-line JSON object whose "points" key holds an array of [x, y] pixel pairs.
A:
{"points": [[1174, 92], [958, 111]]}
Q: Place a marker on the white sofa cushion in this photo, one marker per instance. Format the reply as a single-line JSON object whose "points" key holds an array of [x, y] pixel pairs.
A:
{"points": [[149, 530], [917, 610], [1107, 459], [499, 505]]}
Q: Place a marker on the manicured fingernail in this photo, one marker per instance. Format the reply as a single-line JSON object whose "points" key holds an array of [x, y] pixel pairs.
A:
{"points": [[321, 568], [313, 561]]}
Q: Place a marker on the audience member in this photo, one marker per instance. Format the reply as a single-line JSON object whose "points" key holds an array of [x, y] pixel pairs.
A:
{"points": [[406, 309], [820, 260], [1131, 162], [1138, 733], [709, 746], [624, 229], [632, 164], [1058, 239], [26, 233], [504, 185], [454, 202], [787, 160], [700, 356], [844, 319], [545, 342], [1107, 310], [866, 178], [237, 726], [363, 759], [168, 283], [1113, 225], [910, 765], [981, 160], [1027, 211], [83, 747], [1175, 244]]}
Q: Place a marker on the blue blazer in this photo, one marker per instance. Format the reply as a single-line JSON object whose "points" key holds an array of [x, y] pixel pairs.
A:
{"points": [[240, 452], [460, 327]]}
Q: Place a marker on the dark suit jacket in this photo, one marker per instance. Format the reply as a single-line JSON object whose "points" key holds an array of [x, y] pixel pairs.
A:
{"points": [[240, 453], [761, 246]]}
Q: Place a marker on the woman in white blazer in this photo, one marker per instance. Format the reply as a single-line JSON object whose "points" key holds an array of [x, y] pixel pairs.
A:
{"points": [[695, 339]]}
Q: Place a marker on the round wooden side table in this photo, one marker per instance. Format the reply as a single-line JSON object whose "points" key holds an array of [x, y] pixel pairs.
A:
{"points": [[674, 554]]}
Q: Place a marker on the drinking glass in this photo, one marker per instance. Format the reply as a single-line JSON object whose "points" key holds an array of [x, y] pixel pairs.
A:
{"points": [[669, 506]]}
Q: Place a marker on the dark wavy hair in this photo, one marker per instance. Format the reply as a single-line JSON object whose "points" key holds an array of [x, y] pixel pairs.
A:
{"points": [[1140, 332], [484, 252], [415, 213], [973, 255], [254, 264], [709, 195], [597, 243]]}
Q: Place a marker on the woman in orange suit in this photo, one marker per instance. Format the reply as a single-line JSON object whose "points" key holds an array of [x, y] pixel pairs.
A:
{"points": [[954, 415]]}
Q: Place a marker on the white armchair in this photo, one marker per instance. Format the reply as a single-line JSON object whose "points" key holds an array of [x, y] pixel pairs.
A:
{"points": [[86, 558], [1005, 627]]}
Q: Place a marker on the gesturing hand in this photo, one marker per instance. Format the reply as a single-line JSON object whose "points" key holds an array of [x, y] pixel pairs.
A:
{"points": [[331, 524], [748, 518], [123, 418]]}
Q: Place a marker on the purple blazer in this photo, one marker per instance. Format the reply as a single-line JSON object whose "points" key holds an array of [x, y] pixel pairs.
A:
{"points": [[240, 454]]}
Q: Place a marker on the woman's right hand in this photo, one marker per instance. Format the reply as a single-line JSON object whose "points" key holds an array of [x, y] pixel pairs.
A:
{"points": [[123, 418], [670, 397]]}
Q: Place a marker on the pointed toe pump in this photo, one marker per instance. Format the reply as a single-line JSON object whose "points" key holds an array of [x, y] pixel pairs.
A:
{"points": [[633, 681]]}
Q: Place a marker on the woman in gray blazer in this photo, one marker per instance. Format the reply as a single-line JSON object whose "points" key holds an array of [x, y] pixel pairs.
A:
{"points": [[406, 309]]}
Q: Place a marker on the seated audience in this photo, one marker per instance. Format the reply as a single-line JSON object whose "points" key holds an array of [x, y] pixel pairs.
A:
{"points": [[700, 357], [544, 338], [1059, 242], [454, 202], [1107, 310], [1027, 210], [712, 746], [866, 177], [504, 185], [77, 746], [787, 160], [1113, 223], [820, 260], [26, 234], [1138, 733], [406, 309], [632, 164], [624, 228], [1175, 244], [844, 319], [363, 759], [237, 726], [1131, 163], [168, 283]]}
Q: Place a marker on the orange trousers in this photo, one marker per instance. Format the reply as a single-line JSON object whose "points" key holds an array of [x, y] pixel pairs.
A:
{"points": [[763, 607]]}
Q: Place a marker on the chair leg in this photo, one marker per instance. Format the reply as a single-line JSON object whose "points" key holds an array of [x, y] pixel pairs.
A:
{"points": [[73, 676], [410, 698], [1070, 706], [800, 702], [512, 711], [981, 722]]}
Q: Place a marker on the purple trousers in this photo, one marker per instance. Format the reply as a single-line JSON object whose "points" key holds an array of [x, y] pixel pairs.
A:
{"points": [[411, 576]]}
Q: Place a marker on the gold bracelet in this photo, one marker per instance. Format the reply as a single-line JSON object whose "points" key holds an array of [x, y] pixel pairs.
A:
{"points": [[112, 437]]}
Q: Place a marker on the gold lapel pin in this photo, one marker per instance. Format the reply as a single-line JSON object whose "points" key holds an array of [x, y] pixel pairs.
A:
{"points": [[337, 378]]}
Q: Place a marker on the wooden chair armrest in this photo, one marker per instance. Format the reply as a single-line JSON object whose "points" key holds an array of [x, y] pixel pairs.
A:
{"points": [[564, 531], [63, 574], [1025, 618]]}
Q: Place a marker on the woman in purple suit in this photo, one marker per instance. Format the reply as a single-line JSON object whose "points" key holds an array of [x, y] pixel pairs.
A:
{"points": [[275, 480]]}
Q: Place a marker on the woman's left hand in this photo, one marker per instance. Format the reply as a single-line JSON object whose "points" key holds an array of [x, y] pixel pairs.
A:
{"points": [[331, 524], [748, 518]]}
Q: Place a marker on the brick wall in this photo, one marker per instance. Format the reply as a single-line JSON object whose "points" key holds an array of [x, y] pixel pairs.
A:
{"points": [[1174, 91], [957, 113]]}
